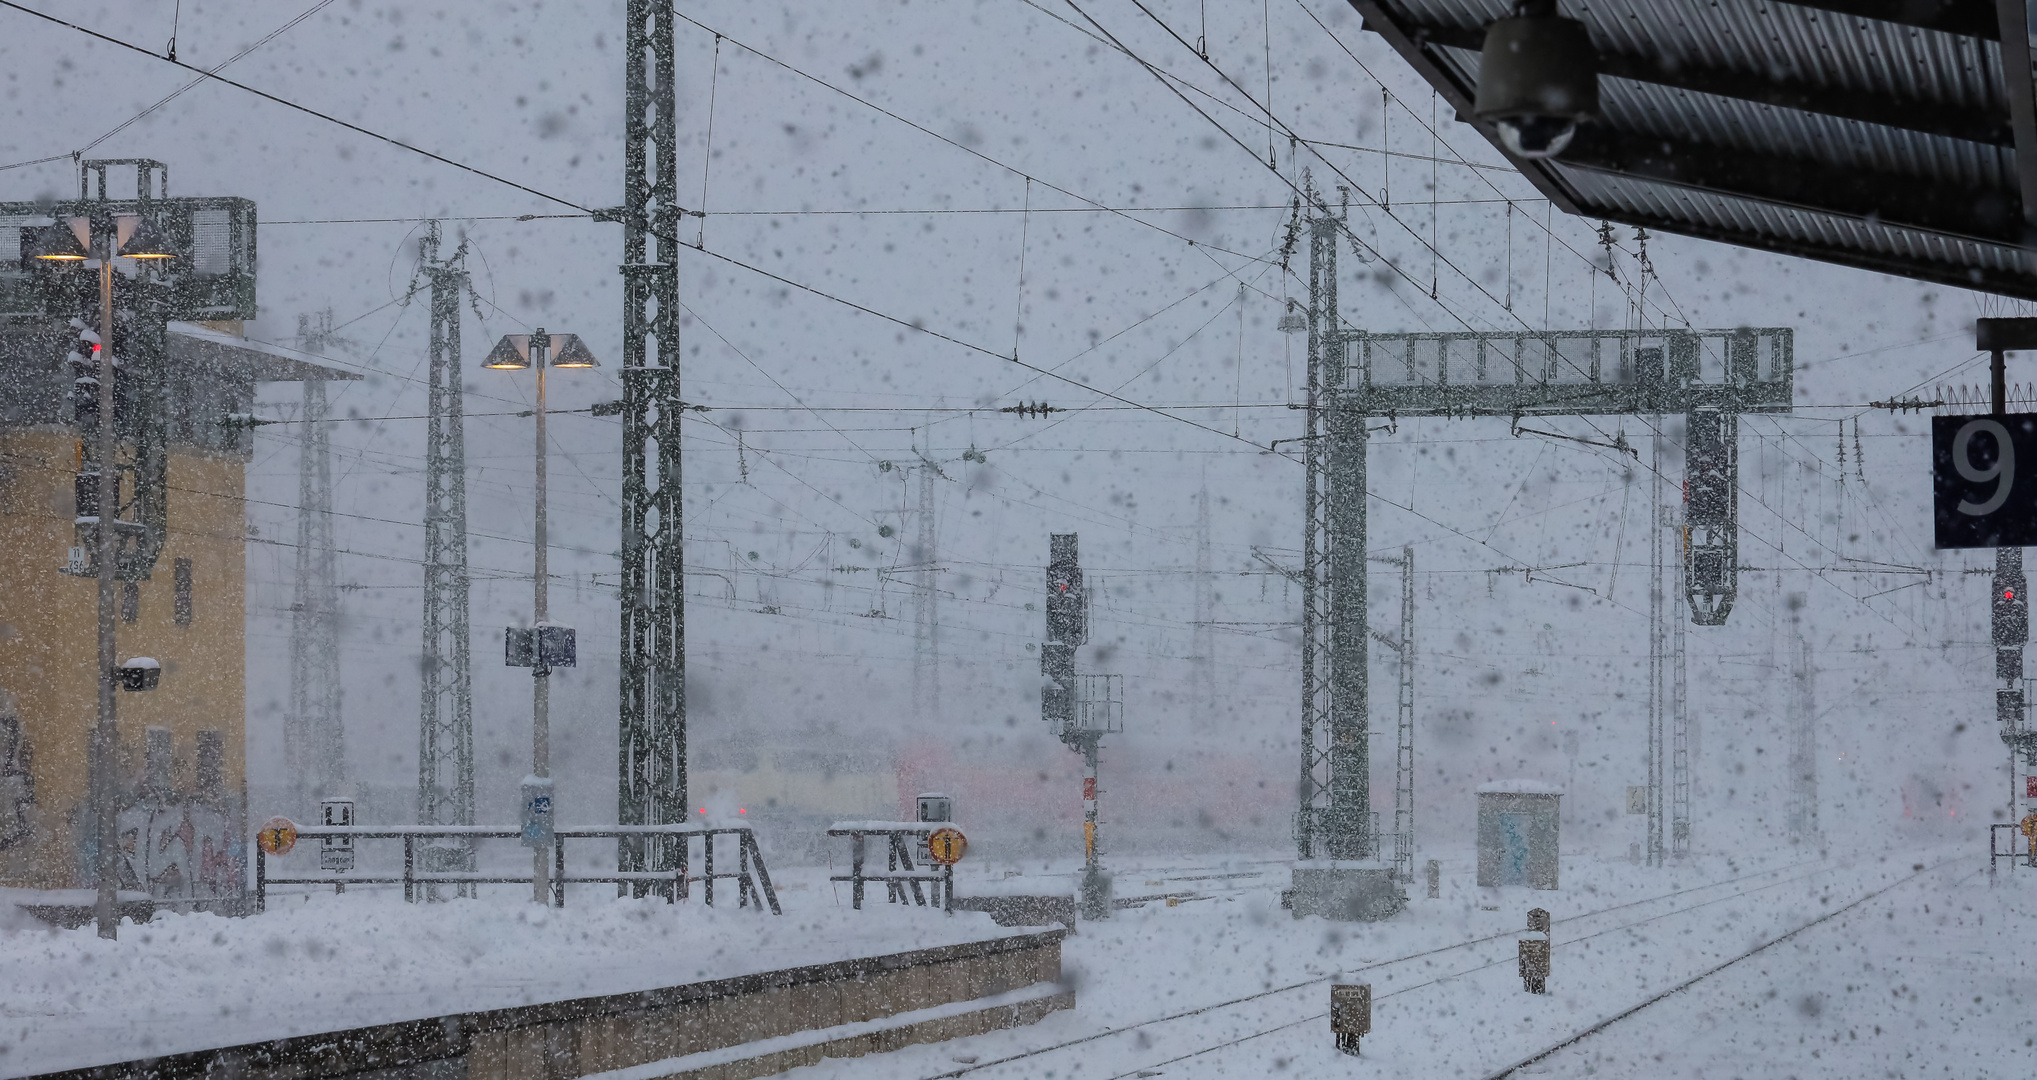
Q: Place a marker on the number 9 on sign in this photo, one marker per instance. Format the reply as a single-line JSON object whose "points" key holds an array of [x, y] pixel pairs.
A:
{"points": [[2003, 471], [1976, 501]]}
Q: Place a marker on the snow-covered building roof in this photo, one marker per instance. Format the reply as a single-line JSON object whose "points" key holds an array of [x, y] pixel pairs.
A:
{"points": [[1518, 787], [260, 361]]}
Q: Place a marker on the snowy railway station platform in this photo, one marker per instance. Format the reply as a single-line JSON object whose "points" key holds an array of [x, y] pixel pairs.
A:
{"points": [[1820, 968], [1101, 495], [331, 986]]}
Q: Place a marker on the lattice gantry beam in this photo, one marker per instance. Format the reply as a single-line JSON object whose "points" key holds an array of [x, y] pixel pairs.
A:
{"points": [[1567, 373], [1711, 377]]}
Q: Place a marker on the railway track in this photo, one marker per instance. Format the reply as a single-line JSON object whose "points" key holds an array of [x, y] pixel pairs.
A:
{"points": [[1570, 923], [1657, 999], [1152, 1069], [1316, 1017]]}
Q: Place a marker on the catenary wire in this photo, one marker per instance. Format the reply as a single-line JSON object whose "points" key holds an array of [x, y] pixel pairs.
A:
{"points": [[794, 284]]}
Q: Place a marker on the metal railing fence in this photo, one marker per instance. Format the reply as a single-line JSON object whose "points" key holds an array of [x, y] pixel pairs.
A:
{"points": [[900, 874], [753, 880]]}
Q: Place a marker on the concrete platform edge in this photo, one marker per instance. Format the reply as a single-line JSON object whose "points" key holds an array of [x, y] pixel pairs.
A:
{"points": [[566, 1039], [937, 1024]]}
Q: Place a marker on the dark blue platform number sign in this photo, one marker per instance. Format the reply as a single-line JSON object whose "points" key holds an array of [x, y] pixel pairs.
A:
{"points": [[1984, 480]]}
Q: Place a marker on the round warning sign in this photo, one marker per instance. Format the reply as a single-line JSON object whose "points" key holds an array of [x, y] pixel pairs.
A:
{"points": [[277, 836], [946, 845]]}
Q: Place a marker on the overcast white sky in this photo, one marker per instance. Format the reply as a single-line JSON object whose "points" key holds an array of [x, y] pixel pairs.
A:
{"points": [[532, 92]]}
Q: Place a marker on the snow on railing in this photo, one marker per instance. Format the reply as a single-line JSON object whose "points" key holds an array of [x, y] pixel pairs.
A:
{"points": [[753, 880], [900, 874]]}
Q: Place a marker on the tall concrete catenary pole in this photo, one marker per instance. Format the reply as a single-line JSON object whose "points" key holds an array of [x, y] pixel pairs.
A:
{"points": [[541, 682], [105, 735], [99, 511]]}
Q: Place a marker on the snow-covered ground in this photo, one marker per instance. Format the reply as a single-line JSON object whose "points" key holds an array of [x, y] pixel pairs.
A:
{"points": [[1912, 972], [324, 963], [1921, 978], [1932, 979]]}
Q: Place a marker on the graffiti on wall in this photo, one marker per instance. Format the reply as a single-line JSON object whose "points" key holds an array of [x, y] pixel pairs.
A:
{"points": [[17, 780], [178, 844], [179, 849]]}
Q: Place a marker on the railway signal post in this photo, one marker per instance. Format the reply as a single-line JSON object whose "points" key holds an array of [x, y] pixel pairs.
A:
{"points": [[1081, 708]]}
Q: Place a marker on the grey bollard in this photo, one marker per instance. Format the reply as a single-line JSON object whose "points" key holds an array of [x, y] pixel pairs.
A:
{"points": [[1534, 955], [1435, 869], [1535, 965]]}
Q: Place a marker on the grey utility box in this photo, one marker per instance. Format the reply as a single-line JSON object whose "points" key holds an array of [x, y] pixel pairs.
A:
{"points": [[1517, 833], [1350, 1014]]}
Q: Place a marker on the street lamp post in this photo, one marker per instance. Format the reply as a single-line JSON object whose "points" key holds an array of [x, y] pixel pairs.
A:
{"points": [[101, 241], [536, 351]]}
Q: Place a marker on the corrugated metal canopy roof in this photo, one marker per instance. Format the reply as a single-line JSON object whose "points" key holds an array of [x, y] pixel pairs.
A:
{"points": [[1872, 133]]}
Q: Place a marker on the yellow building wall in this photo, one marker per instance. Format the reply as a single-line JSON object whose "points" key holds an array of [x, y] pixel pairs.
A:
{"points": [[178, 842]]}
